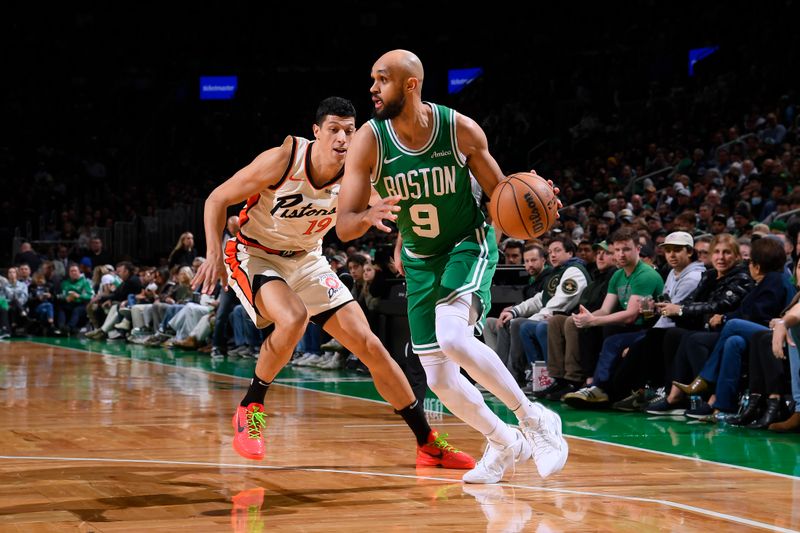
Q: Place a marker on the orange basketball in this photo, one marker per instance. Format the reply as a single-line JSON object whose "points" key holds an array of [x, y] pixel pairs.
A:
{"points": [[524, 206]]}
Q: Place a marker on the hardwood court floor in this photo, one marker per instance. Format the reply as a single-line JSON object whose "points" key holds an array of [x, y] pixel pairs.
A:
{"points": [[97, 442]]}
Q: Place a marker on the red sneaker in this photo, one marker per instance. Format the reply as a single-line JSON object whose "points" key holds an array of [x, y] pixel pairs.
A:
{"points": [[246, 512], [248, 423], [437, 452]]}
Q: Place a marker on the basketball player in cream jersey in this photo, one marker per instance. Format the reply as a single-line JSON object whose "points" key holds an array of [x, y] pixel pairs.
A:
{"points": [[276, 267], [418, 156]]}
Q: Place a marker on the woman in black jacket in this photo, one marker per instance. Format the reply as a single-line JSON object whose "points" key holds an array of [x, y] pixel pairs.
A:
{"points": [[686, 347]]}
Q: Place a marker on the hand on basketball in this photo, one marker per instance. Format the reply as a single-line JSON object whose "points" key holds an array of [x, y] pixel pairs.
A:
{"points": [[556, 191], [583, 318], [208, 274], [385, 209]]}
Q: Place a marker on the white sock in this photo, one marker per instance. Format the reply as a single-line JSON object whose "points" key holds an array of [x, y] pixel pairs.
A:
{"points": [[454, 334], [463, 399]]}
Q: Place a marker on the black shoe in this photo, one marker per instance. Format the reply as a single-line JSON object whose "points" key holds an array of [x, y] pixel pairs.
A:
{"points": [[772, 414], [557, 394], [753, 411], [554, 386]]}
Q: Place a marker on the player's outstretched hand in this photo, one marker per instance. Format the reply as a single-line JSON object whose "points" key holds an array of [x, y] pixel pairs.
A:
{"points": [[208, 274], [385, 209]]}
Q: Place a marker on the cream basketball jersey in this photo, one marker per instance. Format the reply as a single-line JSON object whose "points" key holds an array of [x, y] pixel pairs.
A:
{"points": [[292, 215]]}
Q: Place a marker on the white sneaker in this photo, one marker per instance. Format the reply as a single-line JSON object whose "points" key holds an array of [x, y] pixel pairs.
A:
{"points": [[327, 357], [332, 346], [336, 362], [497, 459], [123, 325], [543, 433], [115, 334], [314, 360], [301, 361]]}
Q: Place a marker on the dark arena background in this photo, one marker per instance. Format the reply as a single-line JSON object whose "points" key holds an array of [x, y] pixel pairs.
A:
{"points": [[651, 117]]}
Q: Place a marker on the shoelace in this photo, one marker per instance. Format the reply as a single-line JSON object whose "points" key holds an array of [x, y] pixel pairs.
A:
{"points": [[256, 421], [442, 444]]}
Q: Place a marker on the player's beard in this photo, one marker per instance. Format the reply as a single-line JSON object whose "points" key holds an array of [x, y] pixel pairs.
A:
{"points": [[390, 109]]}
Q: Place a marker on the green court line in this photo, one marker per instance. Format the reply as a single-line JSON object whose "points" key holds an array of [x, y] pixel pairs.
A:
{"points": [[722, 443]]}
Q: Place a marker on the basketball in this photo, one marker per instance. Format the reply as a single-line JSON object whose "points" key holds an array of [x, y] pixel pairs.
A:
{"points": [[523, 206]]}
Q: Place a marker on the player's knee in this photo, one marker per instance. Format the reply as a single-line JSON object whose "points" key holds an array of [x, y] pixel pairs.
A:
{"points": [[294, 320], [373, 346]]}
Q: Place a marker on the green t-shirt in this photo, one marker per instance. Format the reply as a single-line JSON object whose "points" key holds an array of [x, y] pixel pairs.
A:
{"points": [[643, 281]]}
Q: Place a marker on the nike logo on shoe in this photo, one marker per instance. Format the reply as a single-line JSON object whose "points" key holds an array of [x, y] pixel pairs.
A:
{"points": [[239, 427], [387, 161]]}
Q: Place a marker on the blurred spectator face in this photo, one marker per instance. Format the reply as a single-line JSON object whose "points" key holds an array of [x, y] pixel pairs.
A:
{"points": [[96, 245], [705, 212], [74, 272], [777, 192], [626, 253], [62, 252], [787, 246], [557, 254], [25, 247], [123, 273], [24, 271], [188, 241], [744, 250], [603, 260], [701, 248], [196, 263], [534, 262], [369, 272], [717, 227], [12, 275], [586, 253], [613, 205], [636, 202], [602, 230], [513, 255], [713, 197], [356, 270]]}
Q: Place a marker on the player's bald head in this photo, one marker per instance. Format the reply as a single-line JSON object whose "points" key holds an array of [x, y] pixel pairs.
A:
{"points": [[401, 63]]}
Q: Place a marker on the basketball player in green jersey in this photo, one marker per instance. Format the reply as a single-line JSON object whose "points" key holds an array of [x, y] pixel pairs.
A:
{"points": [[418, 156]]}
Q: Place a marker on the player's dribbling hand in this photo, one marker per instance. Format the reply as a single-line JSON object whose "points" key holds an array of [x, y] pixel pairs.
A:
{"points": [[385, 209], [207, 276], [556, 191]]}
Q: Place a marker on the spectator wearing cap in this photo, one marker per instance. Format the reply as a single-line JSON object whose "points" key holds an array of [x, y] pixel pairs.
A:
{"points": [[653, 222], [338, 264], [626, 216], [683, 198]]}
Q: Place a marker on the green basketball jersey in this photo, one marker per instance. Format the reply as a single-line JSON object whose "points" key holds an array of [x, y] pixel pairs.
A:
{"points": [[437, 206]]}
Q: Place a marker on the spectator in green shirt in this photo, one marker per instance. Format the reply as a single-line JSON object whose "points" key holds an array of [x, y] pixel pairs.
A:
{"points": [[620, 311]]}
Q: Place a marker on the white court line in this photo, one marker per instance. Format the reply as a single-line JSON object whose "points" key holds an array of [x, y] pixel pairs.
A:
{"points": [[666, 503], [399, 425], [627, 446]]}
